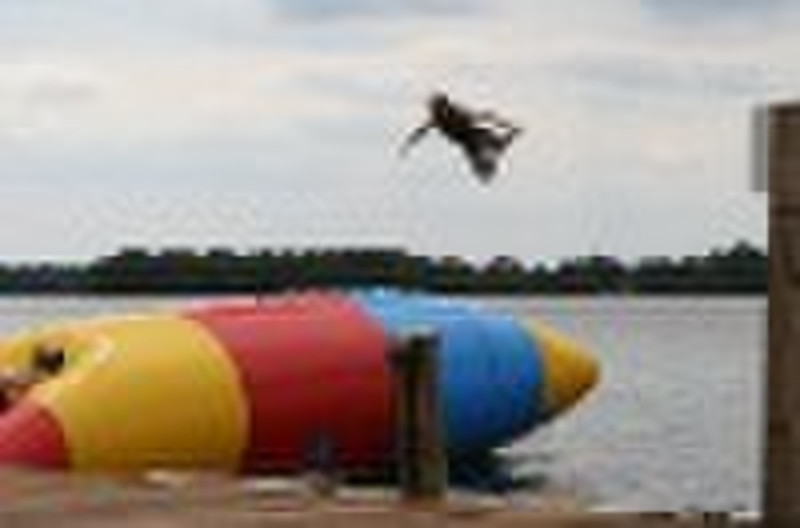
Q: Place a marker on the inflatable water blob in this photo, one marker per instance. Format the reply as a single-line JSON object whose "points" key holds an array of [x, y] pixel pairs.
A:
{"points": [[247, 386]]}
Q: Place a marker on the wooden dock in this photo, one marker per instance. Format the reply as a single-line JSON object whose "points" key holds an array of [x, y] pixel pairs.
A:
{"points": [[32, 500]]}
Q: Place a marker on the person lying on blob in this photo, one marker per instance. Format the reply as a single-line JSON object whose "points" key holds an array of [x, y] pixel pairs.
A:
{"points": [[47, 361]]}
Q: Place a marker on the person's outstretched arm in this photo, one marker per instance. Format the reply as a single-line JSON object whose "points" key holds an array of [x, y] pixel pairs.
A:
{"points": [[414, 137]]}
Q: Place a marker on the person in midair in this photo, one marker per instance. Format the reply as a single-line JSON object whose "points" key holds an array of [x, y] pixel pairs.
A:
{"points": [[482, 135]]}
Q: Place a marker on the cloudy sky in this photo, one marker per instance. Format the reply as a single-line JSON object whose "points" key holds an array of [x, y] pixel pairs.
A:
{"points": [[248, 123]]}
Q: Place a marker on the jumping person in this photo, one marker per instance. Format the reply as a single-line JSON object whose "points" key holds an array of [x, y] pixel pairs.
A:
{"points": [[483, 136]]}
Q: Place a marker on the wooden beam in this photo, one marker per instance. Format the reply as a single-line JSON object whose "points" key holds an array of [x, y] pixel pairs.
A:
{"points": [[781, 490]]}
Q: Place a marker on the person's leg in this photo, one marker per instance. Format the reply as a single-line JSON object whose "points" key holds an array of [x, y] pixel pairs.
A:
{"points": [[482, 158]]}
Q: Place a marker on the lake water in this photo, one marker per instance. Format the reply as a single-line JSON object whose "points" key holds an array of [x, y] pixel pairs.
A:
{"points": [[673, 425]]}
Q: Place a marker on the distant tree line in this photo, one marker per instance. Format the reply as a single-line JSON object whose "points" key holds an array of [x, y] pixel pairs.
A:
{"points": [[740, 269]]}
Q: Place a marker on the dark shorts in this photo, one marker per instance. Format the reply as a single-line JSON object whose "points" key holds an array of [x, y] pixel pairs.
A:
{"points": [[483, 149]]}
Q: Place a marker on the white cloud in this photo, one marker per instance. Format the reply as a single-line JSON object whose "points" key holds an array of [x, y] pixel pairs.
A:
{"points": [[148, 25], [317, 10], [704, 12]]}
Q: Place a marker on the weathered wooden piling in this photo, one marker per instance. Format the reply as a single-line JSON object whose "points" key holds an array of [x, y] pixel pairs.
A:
{"points": [[419, 438], [781, 490]]}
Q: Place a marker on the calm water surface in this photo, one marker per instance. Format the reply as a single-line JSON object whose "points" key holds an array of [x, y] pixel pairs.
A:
{"points": [[674, 424]]}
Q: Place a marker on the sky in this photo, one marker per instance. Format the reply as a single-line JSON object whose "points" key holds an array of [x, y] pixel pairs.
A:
{"points": [[276, 123]]}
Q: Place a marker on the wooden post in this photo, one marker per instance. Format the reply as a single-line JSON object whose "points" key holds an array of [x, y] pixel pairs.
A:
{"points": [[781, 492], [419, 437]]}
